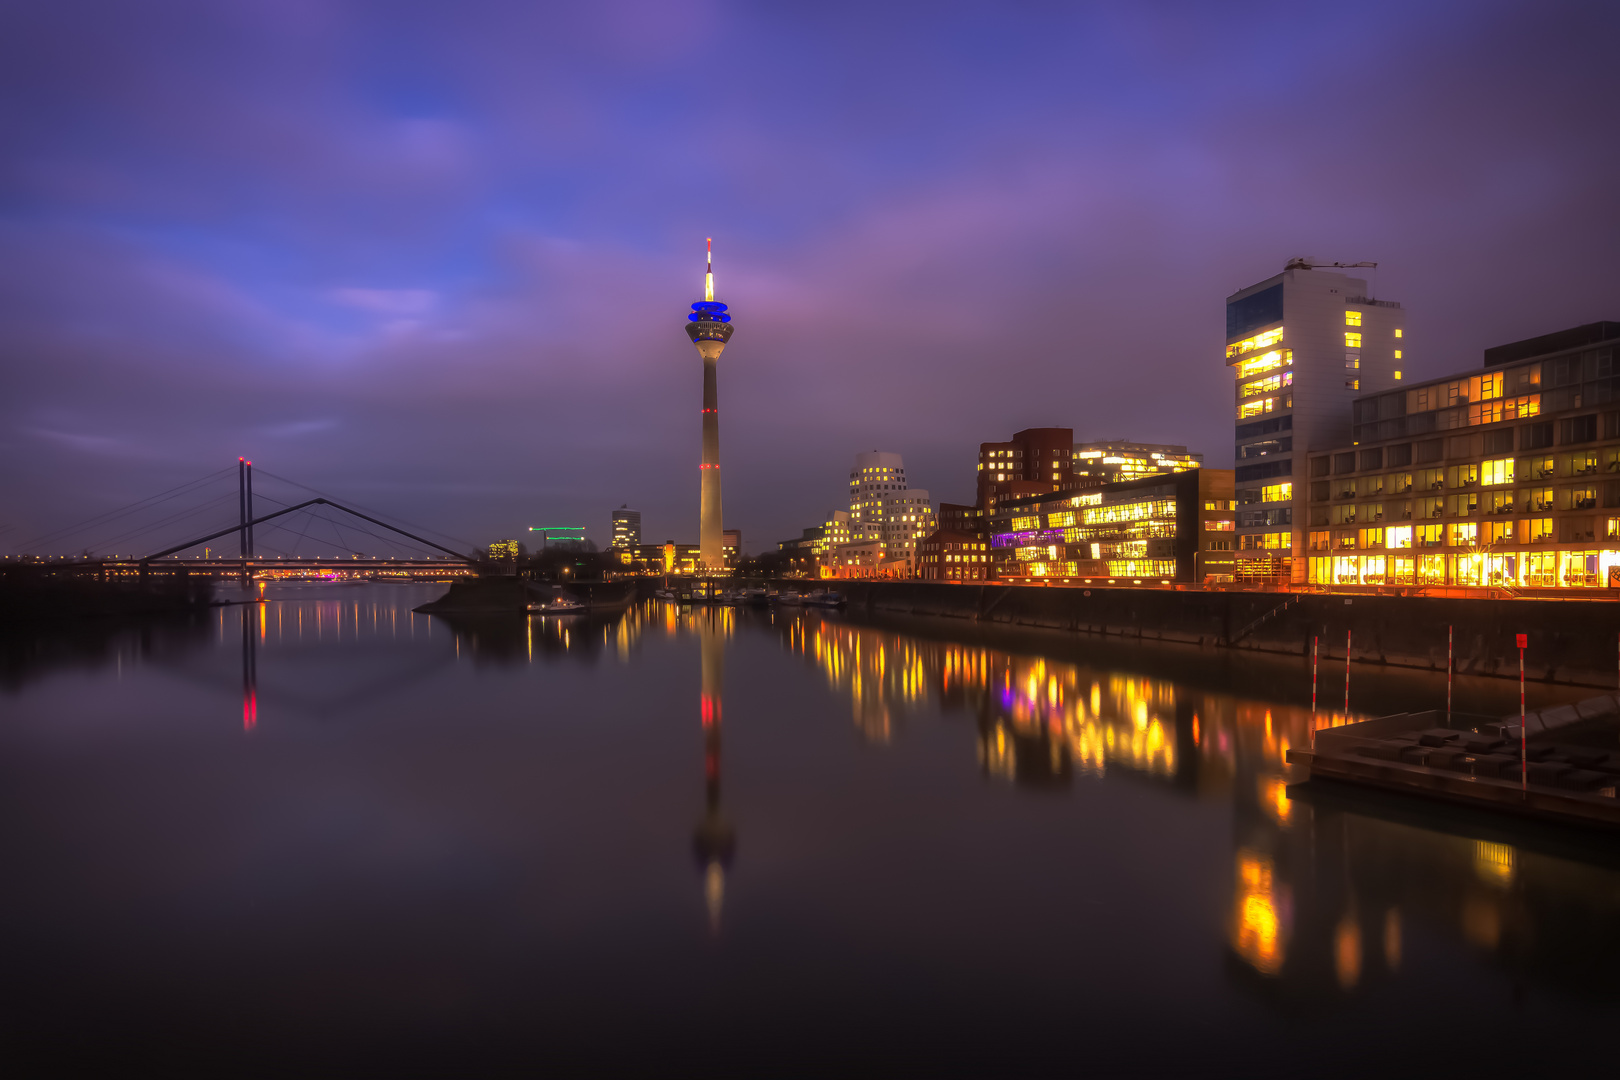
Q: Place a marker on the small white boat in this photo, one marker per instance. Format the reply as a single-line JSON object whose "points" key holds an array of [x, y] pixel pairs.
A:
{"points": [[824, 599], [664, 594], [790, 599], [559, 605]]}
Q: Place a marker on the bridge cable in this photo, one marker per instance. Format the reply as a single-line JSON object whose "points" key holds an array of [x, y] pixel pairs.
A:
{"points": [[162, 496], [444, 535], [181, 515]]}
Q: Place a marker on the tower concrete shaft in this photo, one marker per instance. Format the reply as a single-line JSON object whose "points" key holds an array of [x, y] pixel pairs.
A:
{"points": [[710, 524], [709, 327]]}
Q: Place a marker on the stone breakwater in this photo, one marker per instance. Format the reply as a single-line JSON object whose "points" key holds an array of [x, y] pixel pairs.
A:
{"points": [[1576, 642]]}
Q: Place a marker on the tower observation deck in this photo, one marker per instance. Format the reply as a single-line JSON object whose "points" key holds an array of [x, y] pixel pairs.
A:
{"points": [[709, 327]]}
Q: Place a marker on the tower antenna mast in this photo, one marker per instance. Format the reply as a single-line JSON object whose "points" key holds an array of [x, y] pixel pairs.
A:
{"points": [[708, 276]]}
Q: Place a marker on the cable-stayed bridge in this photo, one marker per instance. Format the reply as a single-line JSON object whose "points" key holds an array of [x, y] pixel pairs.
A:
{"points": [[219, 525]]}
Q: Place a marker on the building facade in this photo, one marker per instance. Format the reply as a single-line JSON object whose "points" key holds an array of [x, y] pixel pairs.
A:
{"points": [[1112, 460], [885, 508], [1303, 345], [1507, 475], [950, 555], [958, 517], [670, 557], [1162, 528], [626, 529], [1035, 461]]}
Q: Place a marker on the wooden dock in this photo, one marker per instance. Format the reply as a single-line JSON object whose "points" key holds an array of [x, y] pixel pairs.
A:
{"points": [[1571, 773]]}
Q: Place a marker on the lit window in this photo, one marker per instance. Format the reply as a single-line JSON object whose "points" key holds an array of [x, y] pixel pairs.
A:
{"points": [[1261, 341], [1264, 362], [1277, 493], [1397, 333], [1352, 340], [1397, 354], [1352, 318], [1498, 471], [1397, 375]]}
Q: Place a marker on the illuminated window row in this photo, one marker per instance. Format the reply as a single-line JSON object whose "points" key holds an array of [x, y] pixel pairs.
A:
{"points": [[1266, 362], [1524, 569], [1259, 341], [1266, 385], [1136, 511]]}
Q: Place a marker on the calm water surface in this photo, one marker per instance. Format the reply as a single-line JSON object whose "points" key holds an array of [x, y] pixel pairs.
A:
{"points": [[326, 834]]}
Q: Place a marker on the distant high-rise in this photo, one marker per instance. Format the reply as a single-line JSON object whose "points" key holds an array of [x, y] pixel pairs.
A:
{"points": [[709, 327], [626, 529], [1304, 344]]}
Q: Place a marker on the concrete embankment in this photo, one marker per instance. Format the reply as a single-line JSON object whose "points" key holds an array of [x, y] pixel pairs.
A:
{"points": [[1570, 641]]}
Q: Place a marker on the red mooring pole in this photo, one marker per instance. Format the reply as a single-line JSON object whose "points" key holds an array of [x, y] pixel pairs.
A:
{"points": [[1347, 676], [1524, 737]]}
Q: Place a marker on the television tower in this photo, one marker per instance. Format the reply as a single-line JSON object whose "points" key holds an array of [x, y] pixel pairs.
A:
{"points": [[710, 328]]}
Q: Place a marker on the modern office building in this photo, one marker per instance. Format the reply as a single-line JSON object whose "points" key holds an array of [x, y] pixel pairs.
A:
{"points": [[884, 508], [626, 529], [709, 327], [1506, 475], [1112, 460], [1035, 461], [1303, 346], [1160, 528], [504, 550], [731, 545]]}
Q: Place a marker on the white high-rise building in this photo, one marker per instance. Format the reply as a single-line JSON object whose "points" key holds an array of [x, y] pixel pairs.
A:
{"points": [[883, 508], [1303, 346]]}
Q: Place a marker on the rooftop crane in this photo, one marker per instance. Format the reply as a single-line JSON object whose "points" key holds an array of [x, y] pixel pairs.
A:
{"points": [[1307, 264]]}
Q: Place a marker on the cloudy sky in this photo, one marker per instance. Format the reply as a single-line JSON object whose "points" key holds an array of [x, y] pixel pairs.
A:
{"points": [[436, 257]]}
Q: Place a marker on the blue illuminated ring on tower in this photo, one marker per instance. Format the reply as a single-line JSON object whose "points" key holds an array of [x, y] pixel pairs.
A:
{"points": [[708, 311]]}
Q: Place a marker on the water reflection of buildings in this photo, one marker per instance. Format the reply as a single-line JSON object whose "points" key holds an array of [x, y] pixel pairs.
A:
{"points": [[1324, 899], [1042, 720], [1326, 896]]}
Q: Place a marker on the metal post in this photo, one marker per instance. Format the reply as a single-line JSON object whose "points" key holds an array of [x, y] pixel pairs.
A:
{"points": [[1347, 676], [250, 548], [241, 505], [1450, 667], [1313, 691]]}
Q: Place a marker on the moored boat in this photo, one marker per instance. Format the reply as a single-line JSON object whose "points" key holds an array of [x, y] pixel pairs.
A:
{"points": [[559, 605]]}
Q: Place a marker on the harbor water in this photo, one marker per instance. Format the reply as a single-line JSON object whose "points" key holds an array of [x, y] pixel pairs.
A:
{"points": [[322, 832]]}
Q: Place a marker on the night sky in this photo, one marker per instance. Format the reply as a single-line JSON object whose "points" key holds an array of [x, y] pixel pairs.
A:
{"points": [[436, 257]]}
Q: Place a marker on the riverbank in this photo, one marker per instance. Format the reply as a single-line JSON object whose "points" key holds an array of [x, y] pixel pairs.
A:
{"points": [[29, 596], [1571, 642]]}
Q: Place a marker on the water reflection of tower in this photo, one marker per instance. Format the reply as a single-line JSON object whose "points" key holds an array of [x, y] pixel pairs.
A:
{"points": [[250, 666], [714, 841]]}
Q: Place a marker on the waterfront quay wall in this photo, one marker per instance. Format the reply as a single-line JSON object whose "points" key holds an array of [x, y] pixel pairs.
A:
{"points": [[1570, 641]]}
